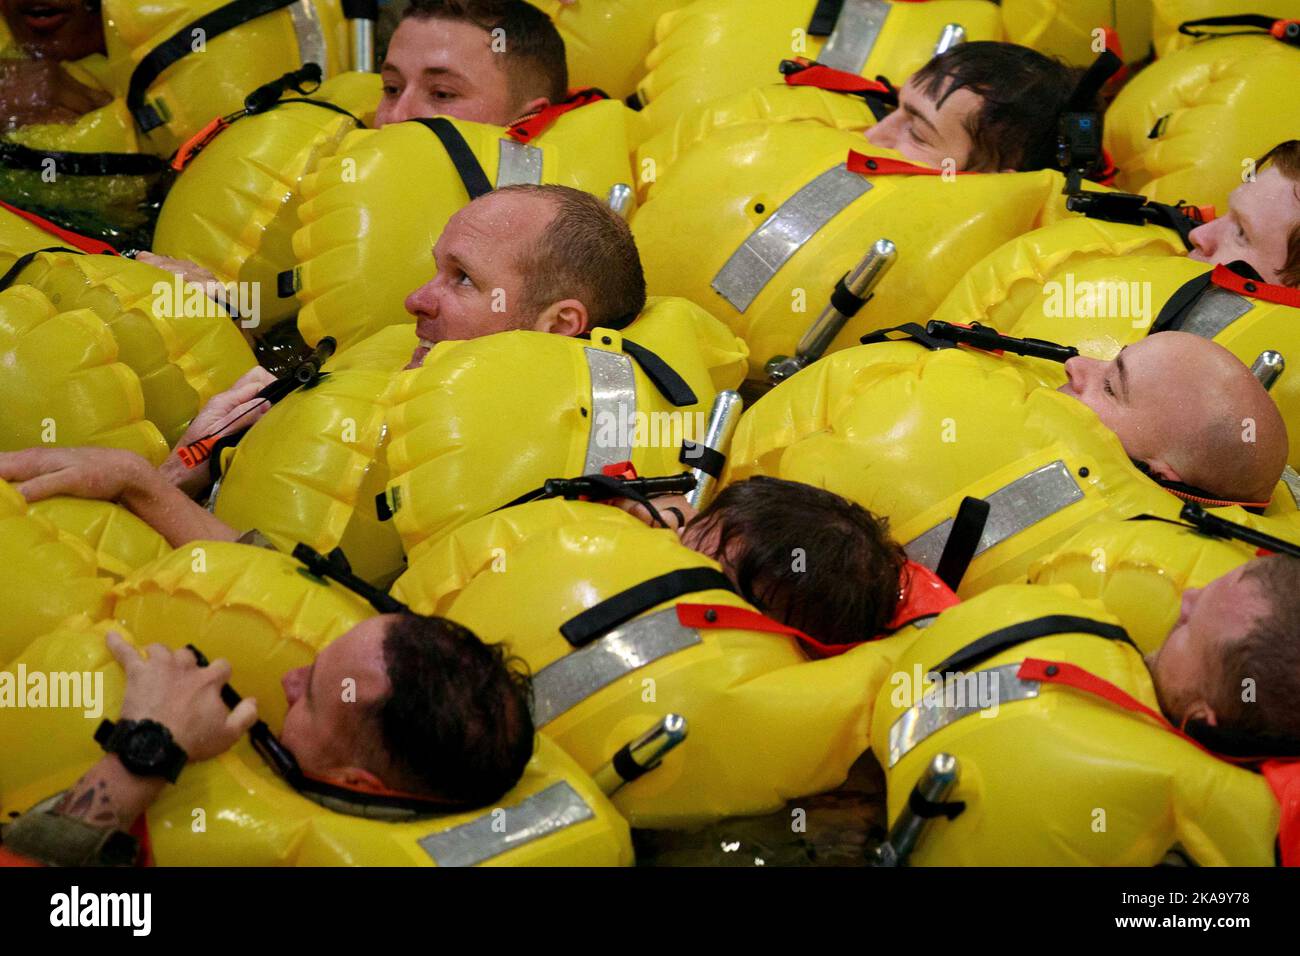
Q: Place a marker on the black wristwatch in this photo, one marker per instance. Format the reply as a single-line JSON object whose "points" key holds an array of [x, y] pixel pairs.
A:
{"points": [[145, 748]]}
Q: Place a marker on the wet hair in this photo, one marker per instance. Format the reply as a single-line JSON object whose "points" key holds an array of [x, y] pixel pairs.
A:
{"points": [[534, 49], [1024, 92], [807, 557], [1286, 157], [586, 253], [1268, 655], [457, 725]]}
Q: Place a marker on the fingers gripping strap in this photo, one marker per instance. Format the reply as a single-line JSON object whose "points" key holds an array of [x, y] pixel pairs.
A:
{"points": [[462, 157], [622, 607]]}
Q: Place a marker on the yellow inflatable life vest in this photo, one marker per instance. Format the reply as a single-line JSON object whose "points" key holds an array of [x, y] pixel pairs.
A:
{"points": [[1139, 570], [606, 41], [764, 724], [1049, 775], [908, 434], [461, 444], [177, 66], [759, 222], [1169, 14], [713, 48], [372, 212], [1067, 29], [1184, 128], [1101, 286], [257, 166], [121, 541], [62, 383], [183, 346], [554, 816], [48, 576]]}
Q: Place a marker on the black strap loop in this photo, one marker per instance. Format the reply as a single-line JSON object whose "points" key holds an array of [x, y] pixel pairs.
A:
{"points": [[670, 385], [626, 766], [1174, 312], [181, 44], [824, 17], [462, 157], [602, 618], [929, 809], [846, 302], [698, 455], [963, 541], [17, 156], [26, 259], [1008, 637], [1258, 21]]}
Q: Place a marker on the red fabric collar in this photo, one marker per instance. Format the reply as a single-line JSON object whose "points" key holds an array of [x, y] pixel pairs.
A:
{"points": [[884, 166], [1225, 278], [924, 595], [529, 127], [76, 240]]}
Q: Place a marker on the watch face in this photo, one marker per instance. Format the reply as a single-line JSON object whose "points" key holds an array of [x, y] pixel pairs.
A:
{"points": [[145, 747]]}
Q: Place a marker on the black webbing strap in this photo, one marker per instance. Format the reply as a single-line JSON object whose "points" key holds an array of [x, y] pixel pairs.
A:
{"points": [[361, 9], [1008, 637], [670, 385], [602, 618], [1258, 21], [846, 302], [626, 767], [1174, 312], [963, 541], [23, 261], [824, 18], [181, 44], [708, 460], [929, 809], [909, 331], [462, 157], [17, 156]]}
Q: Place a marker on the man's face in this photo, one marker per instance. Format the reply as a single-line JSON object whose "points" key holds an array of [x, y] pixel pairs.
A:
{"points": [[479, 286], [926, 132], [438, 67], [327, 726], [55, 29], [1186, 670], [1261, 216], [1130, 394]]}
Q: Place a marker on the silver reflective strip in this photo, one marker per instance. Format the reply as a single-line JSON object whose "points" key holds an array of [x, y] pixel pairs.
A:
{"points": [[613, 410], [855, 35], [311, 36], [1292, 481], [576, 676], [1214, 311], [961, 695], [519, 164], [501, 830], [782, 234], [1012, 508]]}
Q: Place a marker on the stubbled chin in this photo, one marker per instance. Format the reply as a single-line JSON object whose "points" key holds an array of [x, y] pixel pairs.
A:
{"points": [[417, 358]]}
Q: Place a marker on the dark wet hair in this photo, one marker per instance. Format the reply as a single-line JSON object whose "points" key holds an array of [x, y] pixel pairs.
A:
{"points": [[457, 725], [1025, 92], [807, 557], [534, 49]]}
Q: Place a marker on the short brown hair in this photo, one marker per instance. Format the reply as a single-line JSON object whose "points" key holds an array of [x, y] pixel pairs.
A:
{"points": [[1286, 157], [807, 557], [1269, 656], [1024, 93], [534, 51], [586, 253]]}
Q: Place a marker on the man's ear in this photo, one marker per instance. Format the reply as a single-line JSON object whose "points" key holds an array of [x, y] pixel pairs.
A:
{"points": [[354, 777], [1159, 468], [533, 106], [1202, 712], [566, 317]]}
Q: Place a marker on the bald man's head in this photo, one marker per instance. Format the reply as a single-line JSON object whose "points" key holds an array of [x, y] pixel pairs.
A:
{"points": [[1189, 410]]}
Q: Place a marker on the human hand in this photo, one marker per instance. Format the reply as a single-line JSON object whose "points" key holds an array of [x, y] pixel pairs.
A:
{"points": [[190, 272], [40, 91], [235, 408], [105, 474], [169, 687]]}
